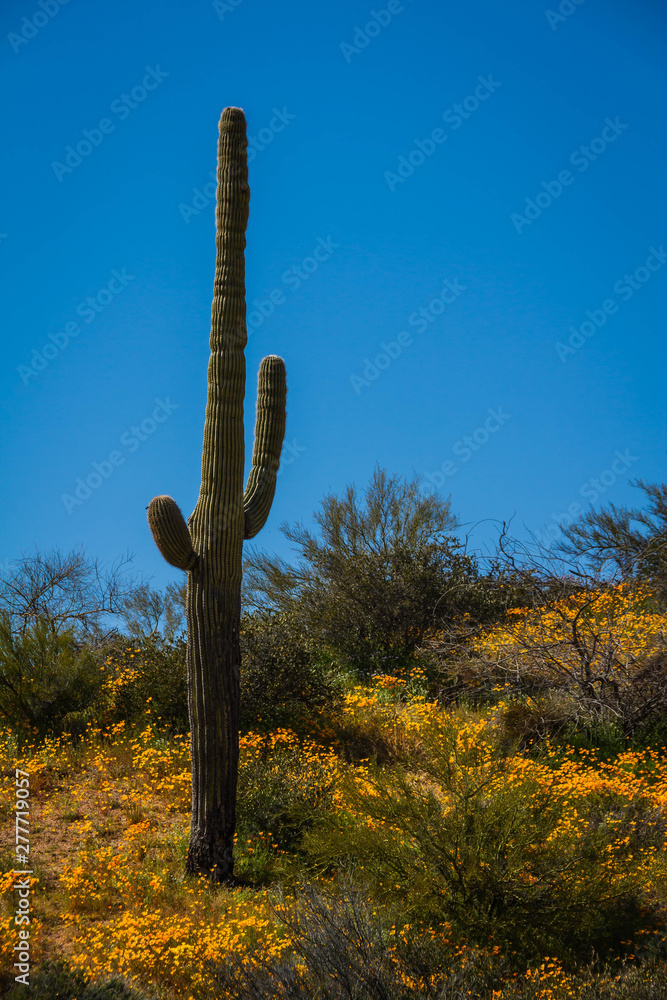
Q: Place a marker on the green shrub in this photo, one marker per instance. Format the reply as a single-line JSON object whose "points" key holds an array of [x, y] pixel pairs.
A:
{"points": [[161, 677], [56, 980], [284, 678], [277, 794], [382, 570], [646, 982], [344, 951], [524, 721], [471, 847], [349, 948], [49, 680], [604, 740]]}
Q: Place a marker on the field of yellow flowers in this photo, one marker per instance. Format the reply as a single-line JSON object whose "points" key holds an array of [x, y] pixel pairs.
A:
{"points": [[526, 857]]}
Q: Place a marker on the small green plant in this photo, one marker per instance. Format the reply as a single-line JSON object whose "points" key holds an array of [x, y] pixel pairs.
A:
{"points": [[256, 864], [134, 812], [605, 739], [525, 721], [277, 795], [104, 828], [71, 811], [56, 980]]}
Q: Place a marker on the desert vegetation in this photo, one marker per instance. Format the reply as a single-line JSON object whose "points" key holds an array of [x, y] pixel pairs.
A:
{"points": [[452, 768]]}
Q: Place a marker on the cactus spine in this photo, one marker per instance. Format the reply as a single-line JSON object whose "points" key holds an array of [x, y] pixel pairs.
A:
{"points": [[210, 545]]}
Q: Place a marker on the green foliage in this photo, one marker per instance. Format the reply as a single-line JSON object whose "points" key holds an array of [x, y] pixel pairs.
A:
{"points": [[161, 677], [283, 678], [275, 794], [629, 541], [387, 602], [605, 740], [49, 681], [525, 722], [473, 849], [346, 950], [56, 980], [384, 570], [645, 982]]}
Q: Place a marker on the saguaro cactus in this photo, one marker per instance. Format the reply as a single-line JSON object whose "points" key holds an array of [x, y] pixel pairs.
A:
{"points": [[210, 545]]}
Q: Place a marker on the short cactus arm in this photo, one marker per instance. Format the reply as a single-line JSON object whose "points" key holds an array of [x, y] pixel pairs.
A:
{"points": [[269, 434], [171, 533]]}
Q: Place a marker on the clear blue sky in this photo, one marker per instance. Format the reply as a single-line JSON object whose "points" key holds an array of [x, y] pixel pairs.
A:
{"points": [[414, 203]]}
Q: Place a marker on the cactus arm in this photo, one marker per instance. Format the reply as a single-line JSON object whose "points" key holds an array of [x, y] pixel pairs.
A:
{"points": [[170, 533], [269, 434]]}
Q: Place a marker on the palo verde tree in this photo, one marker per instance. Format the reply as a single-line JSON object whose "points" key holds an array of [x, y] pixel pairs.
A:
{"points": [[384, 568], [56, 608], [628, 543], [64, 592], [209, 547]]}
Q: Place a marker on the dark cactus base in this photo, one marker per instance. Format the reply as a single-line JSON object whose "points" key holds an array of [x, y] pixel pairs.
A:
{"points": [[212, 857]]}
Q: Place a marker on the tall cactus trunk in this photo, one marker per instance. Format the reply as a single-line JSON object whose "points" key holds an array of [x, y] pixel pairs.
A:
{"points": [[216, 527], [213, 700], [210, 546]]}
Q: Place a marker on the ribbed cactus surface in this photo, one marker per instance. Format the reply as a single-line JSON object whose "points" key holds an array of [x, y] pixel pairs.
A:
{"points": [[209, 547]]}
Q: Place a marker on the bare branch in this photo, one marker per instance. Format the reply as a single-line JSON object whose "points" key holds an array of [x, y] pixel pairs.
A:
{"points": [[67, 591]]}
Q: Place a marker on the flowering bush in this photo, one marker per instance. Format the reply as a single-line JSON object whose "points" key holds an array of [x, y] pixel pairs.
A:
{"points": [[592, 642]]}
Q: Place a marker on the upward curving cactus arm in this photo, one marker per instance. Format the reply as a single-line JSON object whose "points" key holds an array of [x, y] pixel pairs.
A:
{"points": [[269, 434]]}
